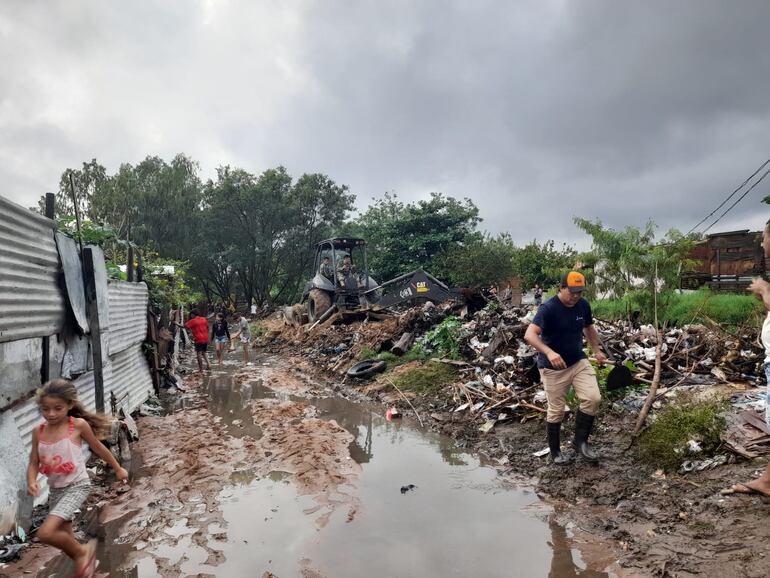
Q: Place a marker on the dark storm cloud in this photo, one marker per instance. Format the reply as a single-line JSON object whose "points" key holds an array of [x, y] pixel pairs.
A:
{"points": [[538, 111]]}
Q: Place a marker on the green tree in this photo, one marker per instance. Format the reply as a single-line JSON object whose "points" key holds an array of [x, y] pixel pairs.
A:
{"points": [[403, 237], [89, 181], [543, 264], [482, 261], [630, 264], [264, 229]]}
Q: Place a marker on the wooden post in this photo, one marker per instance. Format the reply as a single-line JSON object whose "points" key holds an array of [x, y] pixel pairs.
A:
{"points": [[152, 338], [130, 263], [45, 365], [92, 305]]}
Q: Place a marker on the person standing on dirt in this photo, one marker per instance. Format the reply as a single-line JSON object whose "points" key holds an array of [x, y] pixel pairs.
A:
{"points": [[538, 295], [200, 330], [557, 332], [244, 333], [253, 310], [220, 335], [761, 290]]}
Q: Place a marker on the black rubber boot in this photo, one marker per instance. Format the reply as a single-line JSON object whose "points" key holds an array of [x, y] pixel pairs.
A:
{"points": [[554, 443], [584, 424]]}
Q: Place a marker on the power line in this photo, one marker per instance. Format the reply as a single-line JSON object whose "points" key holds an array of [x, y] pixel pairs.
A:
{"points": [[722, 204], [751, 188]]}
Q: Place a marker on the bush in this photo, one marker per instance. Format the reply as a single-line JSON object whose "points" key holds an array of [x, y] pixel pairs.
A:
{"points": [[426, 379], [664, 443], [699, 307], [442, 340]]}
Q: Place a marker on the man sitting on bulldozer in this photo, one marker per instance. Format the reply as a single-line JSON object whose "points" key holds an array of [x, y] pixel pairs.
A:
{"points": [[345, 268], [326, 268]]}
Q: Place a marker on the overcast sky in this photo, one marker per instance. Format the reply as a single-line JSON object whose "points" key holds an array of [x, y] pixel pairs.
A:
{"points": [[537, 110]]}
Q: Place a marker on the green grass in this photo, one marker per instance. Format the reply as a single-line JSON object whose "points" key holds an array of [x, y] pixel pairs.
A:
{"points": [[426, 379], [662, 444], [727, 309], [416, 353]]}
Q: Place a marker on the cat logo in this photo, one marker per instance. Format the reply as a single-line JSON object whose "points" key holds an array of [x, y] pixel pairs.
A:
{"points": [[422, 287]]}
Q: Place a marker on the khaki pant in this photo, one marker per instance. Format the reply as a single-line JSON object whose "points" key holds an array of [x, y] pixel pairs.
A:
{"points": [[557, 382]]}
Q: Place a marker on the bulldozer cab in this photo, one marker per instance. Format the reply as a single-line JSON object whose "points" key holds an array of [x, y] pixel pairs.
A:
{"points": [[330, 261], [342, 285], [338, 281]]}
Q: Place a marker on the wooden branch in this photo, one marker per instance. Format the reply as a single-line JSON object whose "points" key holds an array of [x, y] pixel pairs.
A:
{"points": [[656, 376]]}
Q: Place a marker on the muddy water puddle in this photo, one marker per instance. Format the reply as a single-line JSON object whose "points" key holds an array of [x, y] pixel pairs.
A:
{"points": [[424, 508], [420, 506]]}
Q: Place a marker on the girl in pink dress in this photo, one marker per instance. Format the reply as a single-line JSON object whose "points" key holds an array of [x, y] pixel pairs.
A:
{"points": [[57, 453]]}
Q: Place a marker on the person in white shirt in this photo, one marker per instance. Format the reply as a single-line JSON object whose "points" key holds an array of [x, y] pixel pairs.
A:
{"points": [[253, 310], [761, 289]]}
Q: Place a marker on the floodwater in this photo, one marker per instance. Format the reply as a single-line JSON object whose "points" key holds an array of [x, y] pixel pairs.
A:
{"points": [[459, 519]]}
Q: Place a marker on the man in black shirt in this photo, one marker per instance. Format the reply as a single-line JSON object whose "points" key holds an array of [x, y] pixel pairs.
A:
{"points": [[557, 333]]}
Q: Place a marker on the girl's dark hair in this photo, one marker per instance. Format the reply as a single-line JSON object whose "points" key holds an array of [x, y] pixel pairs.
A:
{"points": [[65, 390]]}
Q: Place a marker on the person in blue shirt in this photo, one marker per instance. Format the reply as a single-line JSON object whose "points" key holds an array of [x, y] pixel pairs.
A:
{"points": [[557, 332]]}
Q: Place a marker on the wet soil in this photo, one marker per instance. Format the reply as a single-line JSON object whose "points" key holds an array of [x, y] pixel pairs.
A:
{"points": [[653, 524], [265, 471]]}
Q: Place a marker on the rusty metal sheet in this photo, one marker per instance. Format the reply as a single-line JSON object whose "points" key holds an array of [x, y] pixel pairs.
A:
{"points": [[128, 314], [130, 380], [73, 278], [31, 302]]}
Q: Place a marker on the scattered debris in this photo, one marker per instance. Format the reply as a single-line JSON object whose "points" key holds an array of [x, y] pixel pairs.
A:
{"points": [[392, 413]]}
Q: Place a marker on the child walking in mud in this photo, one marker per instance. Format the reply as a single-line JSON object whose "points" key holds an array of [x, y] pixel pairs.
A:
{"points": [[57, 453], [220, 335]]}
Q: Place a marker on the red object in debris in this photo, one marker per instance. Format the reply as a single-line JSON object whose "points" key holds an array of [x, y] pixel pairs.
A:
{"points": [[392, 413]]}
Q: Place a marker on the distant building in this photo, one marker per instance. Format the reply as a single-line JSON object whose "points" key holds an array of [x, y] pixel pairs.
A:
{"points": [[726, 261]]}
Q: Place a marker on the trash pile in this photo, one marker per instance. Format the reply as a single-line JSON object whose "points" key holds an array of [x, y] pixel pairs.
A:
{"points": [[498, 379], [693, 354]]}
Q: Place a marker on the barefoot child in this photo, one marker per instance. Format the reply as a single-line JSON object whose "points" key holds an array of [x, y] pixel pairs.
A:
{"points": [[57, 453]]}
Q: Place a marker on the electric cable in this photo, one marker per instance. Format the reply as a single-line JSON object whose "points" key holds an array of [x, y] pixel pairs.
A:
{"points": [[738, 200], [722, 204]]}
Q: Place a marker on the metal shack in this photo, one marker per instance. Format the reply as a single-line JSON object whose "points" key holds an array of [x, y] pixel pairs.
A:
{"points": [[726, 261]]}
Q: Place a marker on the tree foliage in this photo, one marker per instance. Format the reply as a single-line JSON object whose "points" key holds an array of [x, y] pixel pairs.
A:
{"points": [[263, 230], [543, 264], [632, 264], [483, 260], [406, 236]]}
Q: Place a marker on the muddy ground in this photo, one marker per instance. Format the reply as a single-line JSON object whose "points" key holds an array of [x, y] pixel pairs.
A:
{"points": [[624, 520], [658, 525]]}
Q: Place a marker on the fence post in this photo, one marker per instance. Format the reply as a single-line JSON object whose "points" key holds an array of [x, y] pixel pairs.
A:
{"points": [[130, 261], [92, 305], [45, 365]]}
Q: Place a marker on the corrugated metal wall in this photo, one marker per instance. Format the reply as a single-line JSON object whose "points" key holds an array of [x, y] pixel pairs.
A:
{"points": [[128, 314], [31, 302], [130, 381]]}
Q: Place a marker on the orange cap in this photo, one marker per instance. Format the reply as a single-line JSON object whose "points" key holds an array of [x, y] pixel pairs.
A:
{"points": [[574, 281]]}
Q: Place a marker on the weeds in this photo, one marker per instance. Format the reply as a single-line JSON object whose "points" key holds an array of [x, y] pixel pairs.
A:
{"points": [[416, 353], [664, 443], [442, 340], [700, 306], [426, 379]]}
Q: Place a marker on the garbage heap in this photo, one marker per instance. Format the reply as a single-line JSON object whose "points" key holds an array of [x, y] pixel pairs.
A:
{"points": [[497, 376]]}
